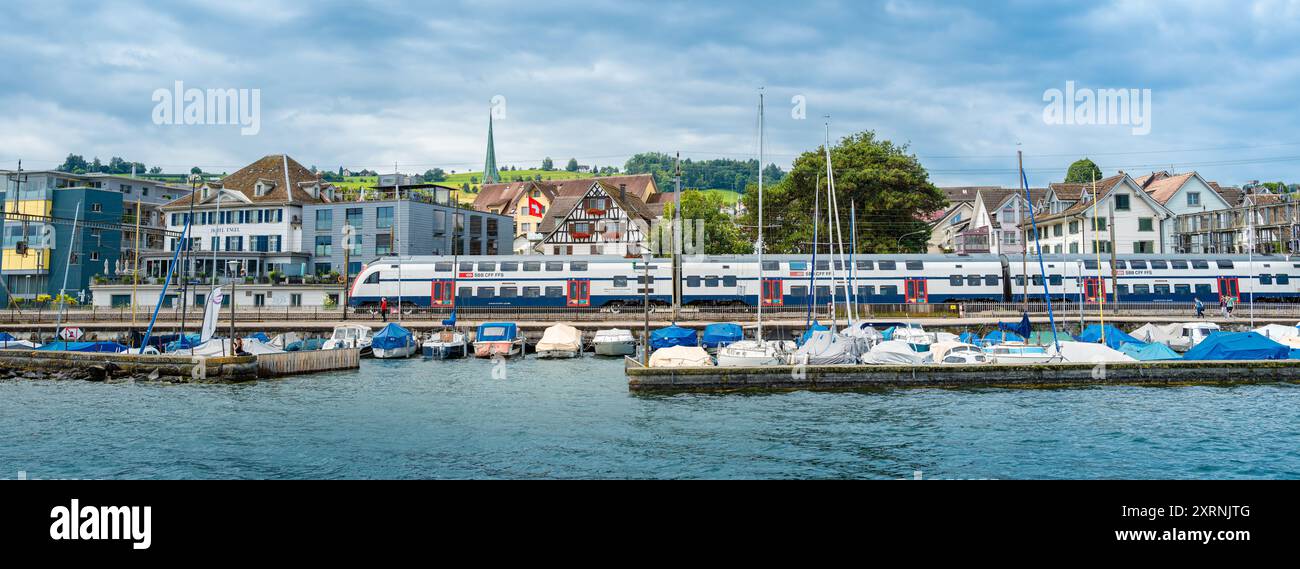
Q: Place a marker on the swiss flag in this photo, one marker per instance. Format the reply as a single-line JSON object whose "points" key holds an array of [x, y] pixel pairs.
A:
{"points": [[535, 208]]}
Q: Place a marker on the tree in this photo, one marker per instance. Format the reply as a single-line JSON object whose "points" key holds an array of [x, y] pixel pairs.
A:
{"points": [[196, 170], [75, 164], [1082, 172], [891, 189], [573, 165], [155, 170], [548, 164], [435, 175], [721, 234]]}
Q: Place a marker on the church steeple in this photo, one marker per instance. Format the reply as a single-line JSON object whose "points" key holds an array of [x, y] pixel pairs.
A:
{"points": [[490, 174]]}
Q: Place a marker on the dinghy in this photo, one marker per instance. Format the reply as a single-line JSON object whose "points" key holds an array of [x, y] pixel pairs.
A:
{"points": [[1020, 353], [560, 341]]}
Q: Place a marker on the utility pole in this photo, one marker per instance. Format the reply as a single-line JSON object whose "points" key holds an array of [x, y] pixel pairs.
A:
{"points": [[1250, 257], [645, 295], [232, 309], [1114, 272], [17, 178], [677, 236], [1024, 245], [185, 261]]}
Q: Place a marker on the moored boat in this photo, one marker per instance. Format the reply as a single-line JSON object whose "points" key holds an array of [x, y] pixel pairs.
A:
{"points": [[445, 345], [498, 339], [680, 356], [393, 342], [615, 342], [1020, 353], [350, 336], [560, 341], [749, 353]]}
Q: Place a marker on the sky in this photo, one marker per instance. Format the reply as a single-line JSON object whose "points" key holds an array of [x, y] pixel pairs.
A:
{"points": [[413, 83]]}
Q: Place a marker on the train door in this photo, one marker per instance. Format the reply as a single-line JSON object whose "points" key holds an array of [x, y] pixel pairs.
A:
{"points": [[1228, 287], [916, 291], [1094, 289], [578, 293], [444, 294], [773, 292]]}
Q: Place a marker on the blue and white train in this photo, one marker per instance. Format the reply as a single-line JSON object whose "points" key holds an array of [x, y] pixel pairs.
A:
{"points": [[602, 281]]}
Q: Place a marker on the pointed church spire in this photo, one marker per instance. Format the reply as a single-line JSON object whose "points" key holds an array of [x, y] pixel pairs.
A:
{"points": [[490, 174]]}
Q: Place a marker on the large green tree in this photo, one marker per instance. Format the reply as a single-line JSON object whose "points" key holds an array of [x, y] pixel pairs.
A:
{"points": [[1082, 172], [721, 234], [891, 189]]}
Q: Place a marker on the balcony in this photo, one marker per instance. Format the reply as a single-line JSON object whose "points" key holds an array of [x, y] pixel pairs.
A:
{"points": [[973, 241]]}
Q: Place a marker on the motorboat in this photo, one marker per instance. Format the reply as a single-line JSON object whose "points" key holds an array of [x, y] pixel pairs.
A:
{"points": [[498, 339], [825, 347], [615, 342], [749, 353], [957, 353], [1020, 353], [1191, 334], [445, 345], [896, 352], [915, 335], [560, 341], [393, 342], [680, 356], [350, 336], [863, 336]]}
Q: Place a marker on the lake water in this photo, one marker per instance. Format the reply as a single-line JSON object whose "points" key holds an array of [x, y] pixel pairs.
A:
{"points": [[576, 419]]}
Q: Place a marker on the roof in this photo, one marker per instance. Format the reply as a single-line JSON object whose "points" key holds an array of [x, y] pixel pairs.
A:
{"points": [[964, 193], [631, 203], [1103, 187], [1069, 191], [502, 195], [1163, 188], [993, 197], [1146, 180], [270, 170], [1230, 194]]}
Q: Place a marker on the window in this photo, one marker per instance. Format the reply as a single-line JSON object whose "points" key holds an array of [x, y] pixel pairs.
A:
{"points": [[1145, 224], [1264, 279], [1161, 289], [693, 282], [1161, 265], [532, 266], [1224, 264], [866, 290], [465, 267], [1122, 202], [486, 292], [1137, 265], [1141, 289], [1121, 290], [1200, 264], [991, 280], [237, 243], [1074, 227], [1038, 280], [887, 266], [1283, 279], [295, 299], [1101, 246], [1121, 264], [384, 244], [1182, 289], [384, 217], [800, 290], [1058, 230], [554, 266], [577, 266], [1193, 198], [889, 290], [94, 255], [324, 245], [532, 291], [355, 215], [96, 207], [509, 266], [373, 278], [554, 291], [322, 269], [1020, 280], [973, 280], [1179, 265], [823, 265], [1055, 280], [620, 282], [865, 265], [711, 281], [1203, 290], [729, 281], [1074, 248], [487, 267], [509, 292], [324, 219], [915, 265], [955, 280], [771, 266], [823, 291], [354, 268], [1099, 223], [442, 266]]}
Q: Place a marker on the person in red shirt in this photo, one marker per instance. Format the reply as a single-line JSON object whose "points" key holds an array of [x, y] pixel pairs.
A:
{"points": [[383, 308]]}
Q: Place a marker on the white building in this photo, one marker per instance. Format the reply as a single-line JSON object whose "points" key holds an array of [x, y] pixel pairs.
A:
{"points": [[245, 296], [995, 219], [1140, 222]]}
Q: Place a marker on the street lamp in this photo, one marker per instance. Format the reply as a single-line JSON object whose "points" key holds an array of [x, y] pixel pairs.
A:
{"points": [[898, 244]]}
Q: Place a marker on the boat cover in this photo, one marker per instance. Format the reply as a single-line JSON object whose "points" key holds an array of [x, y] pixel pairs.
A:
{"points": [[1152, 352], [1237, 346], [1163, 334], [825, 348], [895, 352], [1000, 336], [720, 334], [672, 336], [614, 335], [1114, 336], [1084, 352], [1276, 332], [680, 356], [560, 337], [61, 346], [392, 337], [497, 332]]}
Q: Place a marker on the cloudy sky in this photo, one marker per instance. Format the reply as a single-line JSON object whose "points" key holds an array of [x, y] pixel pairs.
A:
{"points": [[412, 83]]}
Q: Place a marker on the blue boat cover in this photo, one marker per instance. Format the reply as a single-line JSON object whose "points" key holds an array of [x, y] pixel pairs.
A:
{"points": [[261, 337], [999, 336], [182, 343], [722, 334], [393, 336], [969, 337], [1237, 346], [824, 328], [1022, 328], [1152, 352], [5, 337], [672, 336], [111, 347], [496, 332], [1115, 338]]}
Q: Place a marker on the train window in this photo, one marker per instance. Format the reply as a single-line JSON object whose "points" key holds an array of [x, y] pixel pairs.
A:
{"points": [[554, 291], [442, 267], [1162, 290], [1137, 265], [640, 279], [467, 267], [866, 290], [1120, 264], [729, 281], [1020, 280], [1265, 279], [373, 278], [1283, 279], [1055, 280], [798, 266], [771, 265], [487, 267], [509, 292], [1090, 264], [1203, 290], [1159, 265], [823, 265], [841, 292], [1200, 264], [888, 290], [1182, 289], [865, 265], [620, 282], [914, 265], [887, 266], [839, 265], [465, 292], [1038, 280], [1122, 290], [509, 266], [711, 281], [823, 292], [972, 280], [532, 266], [990, 280], [798, 290], [1141, 289], [554, 266], [955, 280], [1180, 265], [486, 292], [578, 266], [532, 291], [1295, 266], [1224, 264], [693, 282]]}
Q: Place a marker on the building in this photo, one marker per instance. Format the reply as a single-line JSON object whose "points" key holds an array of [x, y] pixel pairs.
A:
{"points": [[258, 295], [1139, 221], [605, 219], [995, 218], [143, 198], [252, 218], [514, 199], [426, 221], [947, 225], [1269, 222]]}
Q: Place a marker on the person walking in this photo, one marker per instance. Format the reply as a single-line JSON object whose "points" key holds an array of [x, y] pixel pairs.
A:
{"points": [[1223, 306], [1200, 309], [383, 308], [1232, 303]]}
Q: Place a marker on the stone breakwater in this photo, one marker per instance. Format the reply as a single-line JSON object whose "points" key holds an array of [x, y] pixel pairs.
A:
{"points": [[22, 364]]}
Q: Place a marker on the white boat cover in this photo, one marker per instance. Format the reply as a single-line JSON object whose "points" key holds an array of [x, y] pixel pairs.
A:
{"points": [[1292, 342], [1276, 332], [751, 353], [218, 347], [944, 337], [939, 350], [560, 338], [18, 345], [616, 335], [913, 334], [862, 337], [826, 348], [680, 356], [1150, 333], [282, 341], [895, 352], [1084, 352]]}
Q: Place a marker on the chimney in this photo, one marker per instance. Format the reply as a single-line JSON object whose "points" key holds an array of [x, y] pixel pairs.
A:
{"points": [[622, 192]]}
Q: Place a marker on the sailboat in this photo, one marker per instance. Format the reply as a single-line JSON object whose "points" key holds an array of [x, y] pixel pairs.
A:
{"points": [[756, 352]]}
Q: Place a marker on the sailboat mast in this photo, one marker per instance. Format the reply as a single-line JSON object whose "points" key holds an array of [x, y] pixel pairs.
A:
{"points": [[759, 245], [72, 246], [812, 268], [397, 235]]}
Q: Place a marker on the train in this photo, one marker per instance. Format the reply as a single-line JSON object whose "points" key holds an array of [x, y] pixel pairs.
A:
{"points": [[788, 280]]}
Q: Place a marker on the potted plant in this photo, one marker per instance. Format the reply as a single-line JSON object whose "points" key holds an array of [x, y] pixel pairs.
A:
{"points": [[580, 235], [595, 211], [276, 277]]}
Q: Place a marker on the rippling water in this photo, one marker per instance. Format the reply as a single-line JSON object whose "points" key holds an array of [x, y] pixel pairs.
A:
{"points": [[425, 419]]}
